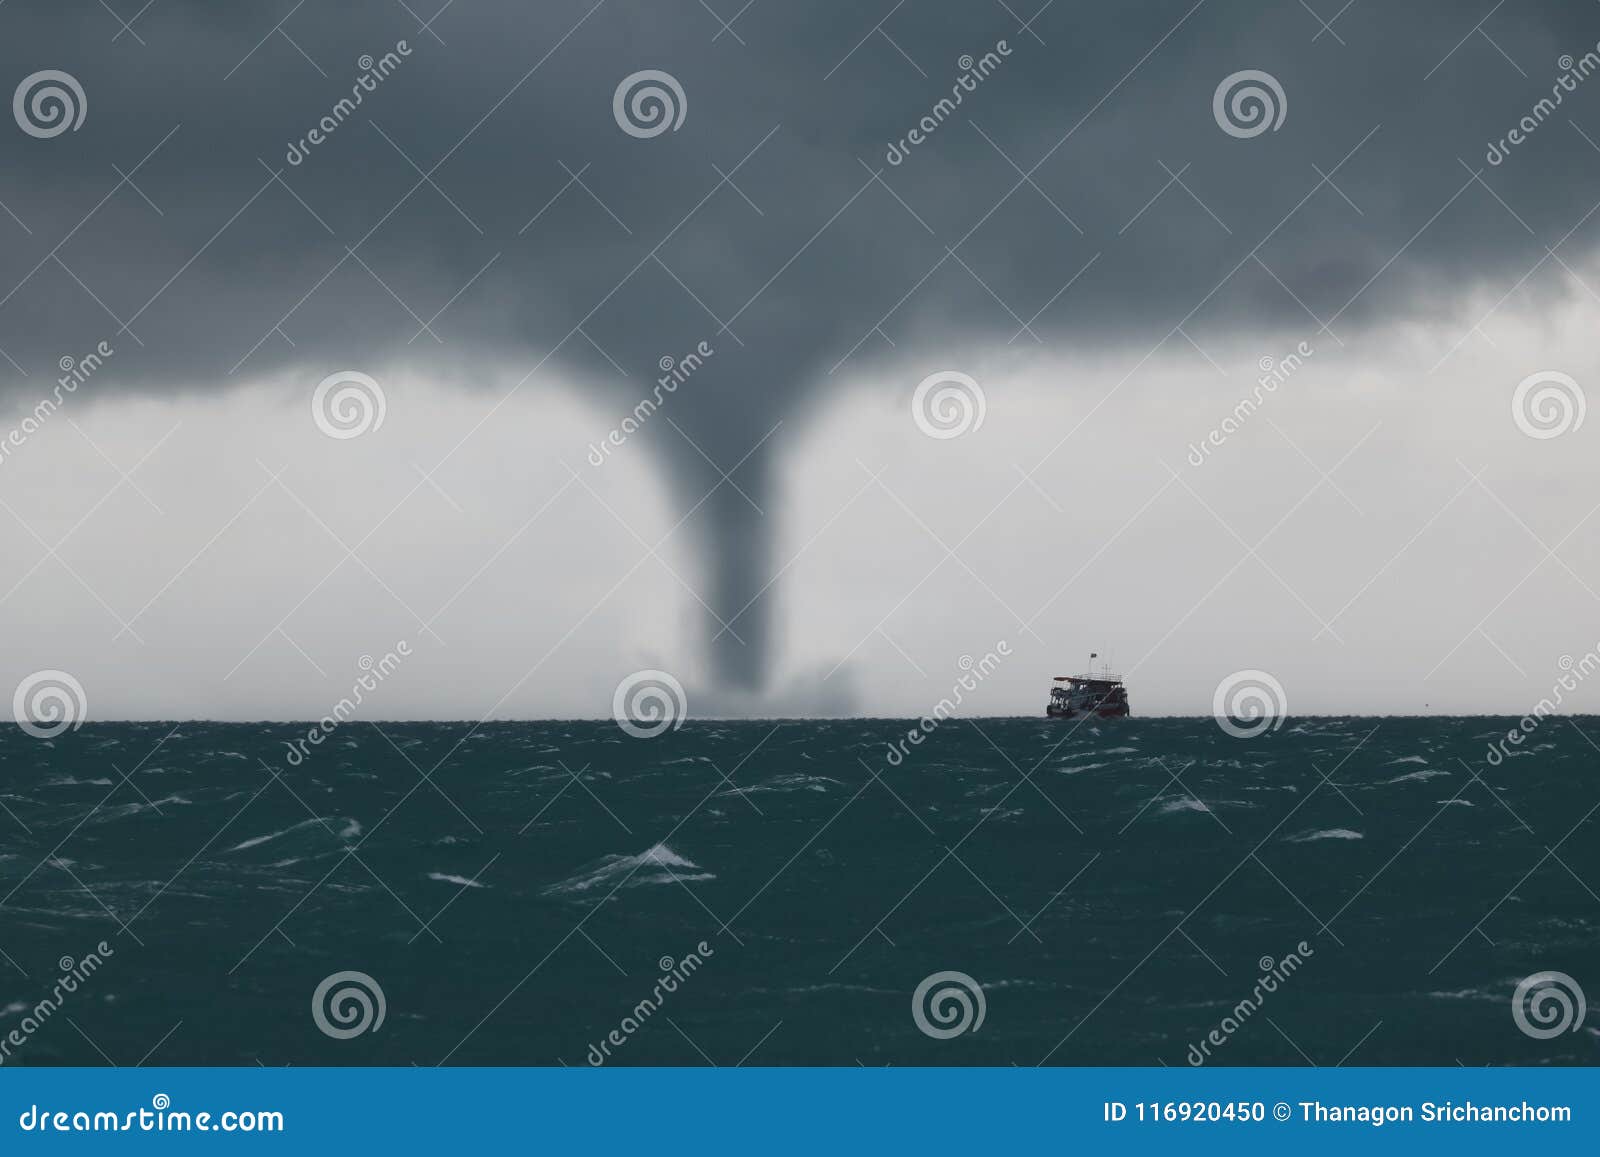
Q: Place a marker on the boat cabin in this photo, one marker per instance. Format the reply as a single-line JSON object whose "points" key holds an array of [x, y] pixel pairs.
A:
{"points": [[1102, 695]]}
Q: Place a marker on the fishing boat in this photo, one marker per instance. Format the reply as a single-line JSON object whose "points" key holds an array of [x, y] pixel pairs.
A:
{"points": [[1099, 694]]}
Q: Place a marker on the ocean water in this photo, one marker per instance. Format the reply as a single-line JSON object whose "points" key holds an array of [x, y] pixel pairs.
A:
{"points": [[518, 891]]}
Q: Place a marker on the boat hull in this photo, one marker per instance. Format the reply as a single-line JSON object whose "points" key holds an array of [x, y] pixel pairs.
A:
{"points": [[1109, 712]]}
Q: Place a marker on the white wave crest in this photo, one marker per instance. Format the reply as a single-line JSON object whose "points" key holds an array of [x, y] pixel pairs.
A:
{"points": [[1327, 834], [460, 881], [1417, 776], [352, 828], [655, 865]]}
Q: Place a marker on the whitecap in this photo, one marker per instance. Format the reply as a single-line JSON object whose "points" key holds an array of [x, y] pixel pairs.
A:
{"points": [[811, 989], [320, 821], [123, 811], [793, 781], [254, 841], [462, 881], [655, 865], [1000, 813], [1431, 773], [1186, 804], [1328, 834]]}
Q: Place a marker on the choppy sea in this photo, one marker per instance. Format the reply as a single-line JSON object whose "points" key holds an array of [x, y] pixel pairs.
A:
{"points": [[522, 893]]}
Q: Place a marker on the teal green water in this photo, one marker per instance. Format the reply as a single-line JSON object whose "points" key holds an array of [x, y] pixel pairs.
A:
{"points": [[1113, 890]]}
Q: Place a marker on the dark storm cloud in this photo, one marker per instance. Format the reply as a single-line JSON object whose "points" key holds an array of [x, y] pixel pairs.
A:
{"points": [[482, 208]]}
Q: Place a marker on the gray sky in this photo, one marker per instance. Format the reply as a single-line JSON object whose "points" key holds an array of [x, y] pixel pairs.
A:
{"points": [[1081, 237]]}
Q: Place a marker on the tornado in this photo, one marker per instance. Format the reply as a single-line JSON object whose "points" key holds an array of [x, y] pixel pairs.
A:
{"points": [[486, 223], [737, 542], [716, 444]]}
